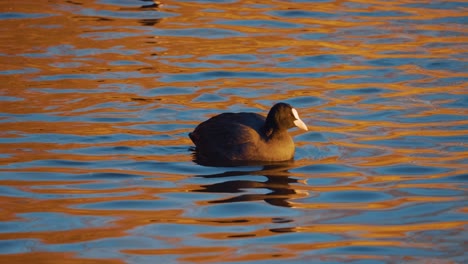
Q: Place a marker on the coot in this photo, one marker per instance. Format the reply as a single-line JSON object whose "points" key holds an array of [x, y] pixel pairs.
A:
{"points": [[248, 136]]}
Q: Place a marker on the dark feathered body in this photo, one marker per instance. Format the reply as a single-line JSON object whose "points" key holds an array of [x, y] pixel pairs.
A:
{"points": [[240, 137], [247, 136]]}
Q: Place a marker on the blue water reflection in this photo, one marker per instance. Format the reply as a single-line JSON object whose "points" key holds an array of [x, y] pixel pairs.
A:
{"points": [[97, 99]]}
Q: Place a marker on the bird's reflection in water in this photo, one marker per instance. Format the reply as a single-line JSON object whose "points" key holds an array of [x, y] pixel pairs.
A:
{"points": [[278, 182]]}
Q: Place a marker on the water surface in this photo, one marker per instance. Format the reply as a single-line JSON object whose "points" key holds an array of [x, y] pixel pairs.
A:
{"points": [[97, 99]]}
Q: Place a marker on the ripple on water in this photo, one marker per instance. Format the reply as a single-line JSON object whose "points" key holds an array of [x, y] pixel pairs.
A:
{"points": [[405, 142], [408, 213], [241, 209], [317, 61], [19, 15], [259, 23], [384, 250], [409, 169], [322, 168], [209, 98], [362, 91], [18, 245], [430, 64], [353, 197], [303, 14], [42, 221], [136, 205], [95, 162]]}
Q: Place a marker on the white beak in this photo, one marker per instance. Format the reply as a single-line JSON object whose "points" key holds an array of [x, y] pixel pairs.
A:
{"points": [[298, 122]]}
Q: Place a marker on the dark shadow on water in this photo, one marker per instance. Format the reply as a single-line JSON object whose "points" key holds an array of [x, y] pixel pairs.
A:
{"points": [[278, 183], [149, 22]]}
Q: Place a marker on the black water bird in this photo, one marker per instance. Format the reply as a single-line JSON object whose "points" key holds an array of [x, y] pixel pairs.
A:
{"points": [[248, 136]]}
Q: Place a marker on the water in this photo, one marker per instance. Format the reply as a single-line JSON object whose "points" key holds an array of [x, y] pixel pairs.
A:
{"points": [[98, 97]]}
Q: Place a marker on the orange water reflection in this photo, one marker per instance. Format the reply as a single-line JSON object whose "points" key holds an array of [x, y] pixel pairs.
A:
{"points": [[97, 98]]}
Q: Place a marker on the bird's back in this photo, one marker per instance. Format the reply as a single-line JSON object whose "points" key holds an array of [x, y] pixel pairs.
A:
{"points": [[229, 136]]}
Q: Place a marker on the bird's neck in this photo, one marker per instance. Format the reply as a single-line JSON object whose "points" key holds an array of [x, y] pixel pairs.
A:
{"points": [[273, 131]]}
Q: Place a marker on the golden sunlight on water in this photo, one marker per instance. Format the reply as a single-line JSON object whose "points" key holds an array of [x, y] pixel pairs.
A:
{"points": [[97, 99]]}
